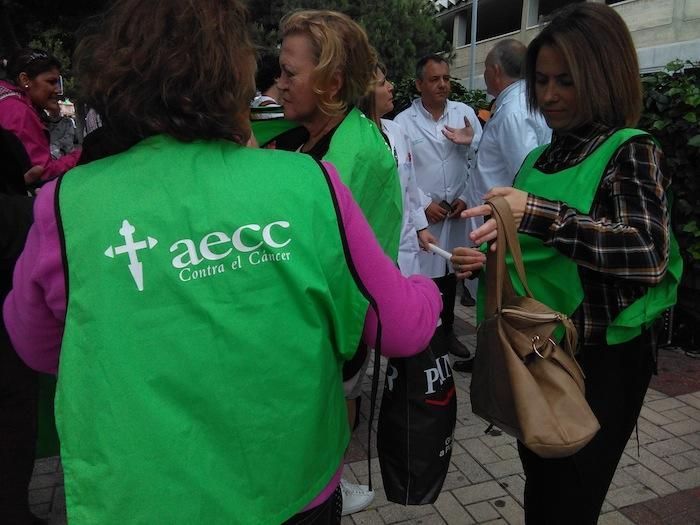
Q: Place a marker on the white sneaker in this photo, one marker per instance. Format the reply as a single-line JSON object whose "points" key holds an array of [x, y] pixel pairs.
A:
{"points": [[355, 497]]}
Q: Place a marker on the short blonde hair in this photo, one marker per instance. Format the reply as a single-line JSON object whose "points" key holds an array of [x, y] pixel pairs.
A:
{"points": [[339, 44], [599, 51]]}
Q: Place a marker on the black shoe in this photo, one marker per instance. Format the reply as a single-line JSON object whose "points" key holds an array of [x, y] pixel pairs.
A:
{"points": [[467, 299], [463, 366], [456, 348]]}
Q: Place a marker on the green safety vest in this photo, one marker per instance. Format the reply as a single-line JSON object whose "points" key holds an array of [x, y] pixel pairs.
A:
{"points": [[552, 277], [210, 310], [366, 165], [265, 130]]}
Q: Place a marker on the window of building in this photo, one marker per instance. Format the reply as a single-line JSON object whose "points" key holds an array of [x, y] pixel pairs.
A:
{"points": [[540, 9], [494, 18]]}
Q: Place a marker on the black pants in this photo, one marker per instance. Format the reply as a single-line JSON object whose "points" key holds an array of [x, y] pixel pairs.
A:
{"points": [[327, 513], [19, 392], [571, 491], [448, 288]]}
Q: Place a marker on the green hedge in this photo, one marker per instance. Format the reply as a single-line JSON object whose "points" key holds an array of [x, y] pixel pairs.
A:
{"points": [[672, 115]]}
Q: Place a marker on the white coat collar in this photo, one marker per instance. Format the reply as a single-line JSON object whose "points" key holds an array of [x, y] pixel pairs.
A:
{"points": [[423, 116], [510, 93]]}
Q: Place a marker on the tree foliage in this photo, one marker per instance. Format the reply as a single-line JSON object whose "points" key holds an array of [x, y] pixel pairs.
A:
{"points": [[23, 21], [401, 30], [48, 25]]}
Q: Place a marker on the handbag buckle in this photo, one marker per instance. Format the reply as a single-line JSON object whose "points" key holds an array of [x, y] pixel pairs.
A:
{"points": [[536, 340]]}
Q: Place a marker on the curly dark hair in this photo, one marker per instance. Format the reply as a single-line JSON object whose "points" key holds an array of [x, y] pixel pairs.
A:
{"points": [[184, 68]]}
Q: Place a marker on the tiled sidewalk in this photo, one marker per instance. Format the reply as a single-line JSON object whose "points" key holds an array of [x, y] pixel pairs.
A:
{"points": [[661, 485]]}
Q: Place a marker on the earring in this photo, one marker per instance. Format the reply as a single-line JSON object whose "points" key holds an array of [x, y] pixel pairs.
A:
{"points": [[26, 85]]}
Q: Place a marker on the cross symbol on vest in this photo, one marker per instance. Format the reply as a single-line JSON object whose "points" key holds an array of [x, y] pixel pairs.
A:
{"points": [[131, 248]]}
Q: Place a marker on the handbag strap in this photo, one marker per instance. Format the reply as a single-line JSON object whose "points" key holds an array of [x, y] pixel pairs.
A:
{"points": [[499, 280]]}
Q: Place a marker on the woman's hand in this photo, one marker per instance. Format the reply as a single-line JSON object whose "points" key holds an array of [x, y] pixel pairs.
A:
{"points": [[33, 174], [517, 199], [465, 261], [425, 238]]}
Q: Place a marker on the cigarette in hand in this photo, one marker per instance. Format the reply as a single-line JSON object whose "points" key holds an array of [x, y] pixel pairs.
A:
{"points": [[439, 251]]}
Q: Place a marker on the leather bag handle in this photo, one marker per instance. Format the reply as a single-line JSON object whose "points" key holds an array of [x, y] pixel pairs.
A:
{"points": [[499, 280]]}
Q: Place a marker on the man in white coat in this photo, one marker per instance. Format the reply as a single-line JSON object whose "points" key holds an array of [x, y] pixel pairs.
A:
{"points": [[443, 136], [513, 130], [509, 135]]}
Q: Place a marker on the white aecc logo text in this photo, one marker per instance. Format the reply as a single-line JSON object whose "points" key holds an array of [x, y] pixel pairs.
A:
{"points": [[218, 245]]}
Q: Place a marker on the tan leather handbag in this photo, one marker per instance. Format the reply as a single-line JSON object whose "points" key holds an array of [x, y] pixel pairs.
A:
{"points": [[523, 381]]}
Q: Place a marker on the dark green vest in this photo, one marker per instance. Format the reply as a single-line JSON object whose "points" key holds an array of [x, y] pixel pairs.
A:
{"points": [[210, 309]]}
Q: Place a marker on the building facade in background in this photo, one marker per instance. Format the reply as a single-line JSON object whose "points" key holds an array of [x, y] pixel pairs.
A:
{"points": [[663, 30]]}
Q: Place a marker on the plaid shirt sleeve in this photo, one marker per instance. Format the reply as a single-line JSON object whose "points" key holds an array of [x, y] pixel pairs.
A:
{"points": [[626, 234]]}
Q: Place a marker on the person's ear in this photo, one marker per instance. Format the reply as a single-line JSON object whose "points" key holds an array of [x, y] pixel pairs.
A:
{"points": [[498, 76], [419, 83], [336, 83], [23, 80]]}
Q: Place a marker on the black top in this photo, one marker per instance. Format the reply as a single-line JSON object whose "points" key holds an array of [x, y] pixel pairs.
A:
{"points": [[293, 139], [15, 163]]}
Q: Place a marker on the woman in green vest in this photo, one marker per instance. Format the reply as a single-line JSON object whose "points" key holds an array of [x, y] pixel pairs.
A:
{"points": [[593, 216], [327, 65], [198, 298]]}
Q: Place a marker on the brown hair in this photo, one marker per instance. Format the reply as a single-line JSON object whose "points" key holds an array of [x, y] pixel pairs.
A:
{"points": [[339, 44], [180, 67], [368, 103], [598, 48]]}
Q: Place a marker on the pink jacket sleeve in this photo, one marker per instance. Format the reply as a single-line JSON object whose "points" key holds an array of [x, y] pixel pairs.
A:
{"points": [[35, 309], [23, 121], [408, 307]]}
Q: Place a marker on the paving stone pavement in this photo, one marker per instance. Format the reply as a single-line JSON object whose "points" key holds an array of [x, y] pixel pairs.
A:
{"points": [[657, 480]]}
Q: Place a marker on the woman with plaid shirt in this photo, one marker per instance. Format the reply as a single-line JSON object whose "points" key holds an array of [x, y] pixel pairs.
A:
{"points": [[593, 206]]}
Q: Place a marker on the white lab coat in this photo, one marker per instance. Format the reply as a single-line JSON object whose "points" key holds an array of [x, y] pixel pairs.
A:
{"points": [[441, 169], [510, 134], [413, 213]]}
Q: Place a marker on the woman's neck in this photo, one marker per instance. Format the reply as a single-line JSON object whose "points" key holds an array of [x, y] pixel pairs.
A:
{"points": [[319, 128]]}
